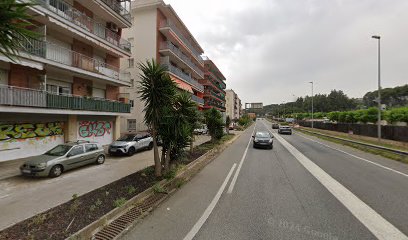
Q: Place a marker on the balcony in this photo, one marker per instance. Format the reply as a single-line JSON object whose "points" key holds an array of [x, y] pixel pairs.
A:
{"points": [[68, 12], [220, 83], [23, 97], [182, 75], [187, 61], [70, 58], [212, 93], [198, 100], [169, 24], [118, 8]]}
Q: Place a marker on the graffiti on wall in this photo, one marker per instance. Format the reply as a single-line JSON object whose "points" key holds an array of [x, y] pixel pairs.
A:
{"points": [[30, 130], [94, 128]]}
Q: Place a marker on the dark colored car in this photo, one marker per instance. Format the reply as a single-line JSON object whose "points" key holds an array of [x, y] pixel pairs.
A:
{"points": [[275, 126], [263, 139], [285, 130]]}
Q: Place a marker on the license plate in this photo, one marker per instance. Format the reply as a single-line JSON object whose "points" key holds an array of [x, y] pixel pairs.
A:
{"points": [[26, 171], [113, 150]]}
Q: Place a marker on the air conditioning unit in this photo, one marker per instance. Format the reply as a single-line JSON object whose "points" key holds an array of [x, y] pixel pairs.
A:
{"points": [[112, 26]]}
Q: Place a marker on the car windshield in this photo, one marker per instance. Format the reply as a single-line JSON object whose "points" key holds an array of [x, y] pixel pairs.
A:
{"points": [[127, 138], [262, 135], [59, 150]]}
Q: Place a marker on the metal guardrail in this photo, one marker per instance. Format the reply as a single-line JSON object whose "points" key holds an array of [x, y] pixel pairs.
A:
{"points": [[170, 46], [166, 62], [197, 99], [73, 15], [118, 8], [71, 58], [405, 153]]}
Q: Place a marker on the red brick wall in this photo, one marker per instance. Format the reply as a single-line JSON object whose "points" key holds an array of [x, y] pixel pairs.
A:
{"points": [[112, 92], [82, 48], [112, 60], [160, 36], [82, 87], [21, 76], [87, 12]]}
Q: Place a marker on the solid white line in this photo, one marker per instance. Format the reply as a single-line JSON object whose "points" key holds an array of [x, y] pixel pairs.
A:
{"points": [[374, 222], [234, 179], [210, 207], [4, 196], [366, 160]]}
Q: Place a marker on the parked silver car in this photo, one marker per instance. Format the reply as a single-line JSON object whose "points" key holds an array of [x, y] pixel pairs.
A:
{"points": [[130, 143], [285, 130], [63, 157]]}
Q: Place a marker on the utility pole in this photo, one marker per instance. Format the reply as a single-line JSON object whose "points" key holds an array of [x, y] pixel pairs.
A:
{"points": [[312, 103], [379, 89]]}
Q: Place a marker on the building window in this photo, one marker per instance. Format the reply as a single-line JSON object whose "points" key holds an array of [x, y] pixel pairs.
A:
{"points": [[131, 62], [131, 124]]}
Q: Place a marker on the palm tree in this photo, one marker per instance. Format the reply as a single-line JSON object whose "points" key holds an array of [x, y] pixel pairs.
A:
{"points": [[176, 127], [14, 27], [157, 90]]}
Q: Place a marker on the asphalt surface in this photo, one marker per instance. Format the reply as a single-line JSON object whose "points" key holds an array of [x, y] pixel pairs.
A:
{"points": [[23, 197], [276, 197]]}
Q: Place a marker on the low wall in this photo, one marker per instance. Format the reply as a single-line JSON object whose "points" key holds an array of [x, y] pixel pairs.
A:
{"points": [[396, 133]]}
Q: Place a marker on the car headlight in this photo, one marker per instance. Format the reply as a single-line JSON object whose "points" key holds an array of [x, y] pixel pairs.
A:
{"points": [[270, 140], [41, 165], [255, 140]]}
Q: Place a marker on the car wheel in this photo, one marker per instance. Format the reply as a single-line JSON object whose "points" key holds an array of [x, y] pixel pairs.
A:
{"points": [[100, 159], [131, 151], [56, 171], [150, 146]]}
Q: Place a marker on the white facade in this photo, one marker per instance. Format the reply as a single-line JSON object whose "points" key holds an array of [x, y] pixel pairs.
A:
{"points": [[233, 104]]}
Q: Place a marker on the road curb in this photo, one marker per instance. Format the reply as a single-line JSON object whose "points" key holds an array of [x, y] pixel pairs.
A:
{"points": [[185, 174]]}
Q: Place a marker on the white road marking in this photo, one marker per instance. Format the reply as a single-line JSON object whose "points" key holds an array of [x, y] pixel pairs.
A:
{"points": [[4, 196], [366, 160], [210, 207], [234, 179], [374, 222]]}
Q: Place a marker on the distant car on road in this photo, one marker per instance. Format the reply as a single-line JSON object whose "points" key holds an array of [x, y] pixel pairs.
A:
{"points": [[285, 130], [275, 126], [131, 143], [201, 130], [262, 139], [63, 157]]}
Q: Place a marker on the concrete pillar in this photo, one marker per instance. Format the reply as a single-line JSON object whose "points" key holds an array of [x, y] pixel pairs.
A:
{"points": [[116, 129], [71, 128]]}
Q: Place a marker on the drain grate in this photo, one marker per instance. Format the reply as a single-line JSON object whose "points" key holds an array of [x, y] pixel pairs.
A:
{"points": [[116, 227]]}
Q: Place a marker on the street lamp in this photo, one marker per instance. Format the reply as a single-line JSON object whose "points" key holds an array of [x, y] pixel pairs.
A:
{"points": [[312, 103], [379, 88]]}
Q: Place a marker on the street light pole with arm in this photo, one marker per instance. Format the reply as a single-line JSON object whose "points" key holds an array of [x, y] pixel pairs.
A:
{"points": [[379, 88]]}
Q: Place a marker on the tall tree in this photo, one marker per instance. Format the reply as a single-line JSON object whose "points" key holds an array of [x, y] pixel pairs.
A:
{"points": [[14, 27], [157, 91]]}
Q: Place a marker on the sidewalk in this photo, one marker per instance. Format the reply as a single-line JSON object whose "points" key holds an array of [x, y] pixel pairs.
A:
{"points": [[23, 197]]}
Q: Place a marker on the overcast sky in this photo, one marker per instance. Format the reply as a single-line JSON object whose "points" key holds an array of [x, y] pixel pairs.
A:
{"points": [[270, 49]]}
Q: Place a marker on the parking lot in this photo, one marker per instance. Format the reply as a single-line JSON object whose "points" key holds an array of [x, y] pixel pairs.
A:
{"points": [[22, 197]]}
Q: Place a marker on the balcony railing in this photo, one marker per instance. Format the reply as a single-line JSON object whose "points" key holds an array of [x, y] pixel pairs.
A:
{"points": [[15, 96], [68, 12], [166, 62], [197, 99], [68, 57], [179, 34], [216, 79], [168, 45], [215, 95], [118, 8]]}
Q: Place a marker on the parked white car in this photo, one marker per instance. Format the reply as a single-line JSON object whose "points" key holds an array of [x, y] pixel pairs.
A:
{"points": [[131, 143], [202, 130]]}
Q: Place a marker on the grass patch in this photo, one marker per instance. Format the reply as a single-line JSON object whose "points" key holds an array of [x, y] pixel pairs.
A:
{"points": [[390, 155], [119, 202]]}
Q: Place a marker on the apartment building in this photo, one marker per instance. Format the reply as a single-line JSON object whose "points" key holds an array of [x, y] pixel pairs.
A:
{"points": [[158, 33], [214, 87], [65, 85], [233, 105]]}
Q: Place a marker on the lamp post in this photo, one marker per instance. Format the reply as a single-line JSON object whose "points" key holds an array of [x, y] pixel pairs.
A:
{"points": [[379, 88], [312, 103]]}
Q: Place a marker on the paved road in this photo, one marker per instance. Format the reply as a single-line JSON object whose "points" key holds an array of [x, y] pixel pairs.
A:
{"points": [[299, 190], [23, 197]]}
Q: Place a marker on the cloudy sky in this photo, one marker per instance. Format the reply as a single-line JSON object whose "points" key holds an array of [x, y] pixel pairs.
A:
{"points": [[270, 49]]}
